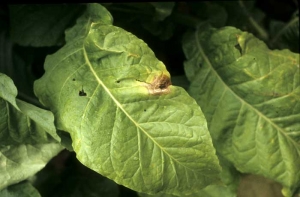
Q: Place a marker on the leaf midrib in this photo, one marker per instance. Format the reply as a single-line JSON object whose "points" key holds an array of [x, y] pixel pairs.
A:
{"points": [[124, 111], [233, 93]]}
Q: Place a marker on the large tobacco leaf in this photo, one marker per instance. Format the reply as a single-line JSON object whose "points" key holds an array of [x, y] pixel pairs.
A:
{"points": [[250, 96], [28, 138], [109, 91]]}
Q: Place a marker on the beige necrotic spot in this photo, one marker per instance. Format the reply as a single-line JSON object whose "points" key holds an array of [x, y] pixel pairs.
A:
{"points": [[160, 85]]}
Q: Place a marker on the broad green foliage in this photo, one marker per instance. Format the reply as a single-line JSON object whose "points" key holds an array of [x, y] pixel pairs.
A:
{"points": [[250, 96], [27, 134], [24, 189], [41, 25], [228, 188], [109, 91], [22, 122]]}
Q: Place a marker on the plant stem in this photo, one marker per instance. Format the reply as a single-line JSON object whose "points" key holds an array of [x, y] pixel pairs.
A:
{"points": [[263, 34]]}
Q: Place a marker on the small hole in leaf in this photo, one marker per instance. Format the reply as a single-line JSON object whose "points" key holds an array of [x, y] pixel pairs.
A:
{"points": [[238, 47], [82, 93]]}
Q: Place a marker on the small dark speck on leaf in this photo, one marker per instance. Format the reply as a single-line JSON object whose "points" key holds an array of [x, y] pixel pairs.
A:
{"points": [[118, 81], [238, 47], [145, 110], [73, 79]]}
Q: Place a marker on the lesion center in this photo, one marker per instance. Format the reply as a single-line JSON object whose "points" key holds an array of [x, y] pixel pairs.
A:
{"points": [[160, 85]]}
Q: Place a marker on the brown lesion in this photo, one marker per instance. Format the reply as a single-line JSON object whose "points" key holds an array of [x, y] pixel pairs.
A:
{"points": [[160, 85]]}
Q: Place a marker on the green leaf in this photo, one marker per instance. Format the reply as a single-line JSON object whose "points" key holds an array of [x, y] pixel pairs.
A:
{"points": [[230, 178], [19, 162], [41, 25], [101, 88], [285, 35], [24, 189], [250, 96], [22, 122], [28, 136], [245, 16]]}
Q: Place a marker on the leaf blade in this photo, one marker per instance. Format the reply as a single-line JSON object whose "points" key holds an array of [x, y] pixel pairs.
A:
{"points": [[123, 108], [28, 136], [253, 107]]}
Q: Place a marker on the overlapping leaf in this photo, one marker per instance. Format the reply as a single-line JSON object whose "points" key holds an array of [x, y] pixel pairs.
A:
{"points": [[250, 96], [24, 189], [100, 86], [27, 135]]}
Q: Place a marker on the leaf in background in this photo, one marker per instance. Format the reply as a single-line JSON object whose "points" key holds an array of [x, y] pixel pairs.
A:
{"points": [[22, 122], [285, 35], [229, 176], [245, 16], [28, 136], [24, 189], [109, 91], [210, 12], [66, 140], [41, 25], [181, 81], [19, 63], [162, 10], [65, 171], [156, 21], [250, 96], [164, 30]]}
